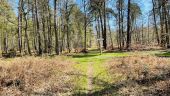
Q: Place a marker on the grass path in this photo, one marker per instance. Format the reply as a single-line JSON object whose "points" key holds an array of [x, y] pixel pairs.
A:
{"points": [[90, 78], [93, 70], [94, 75]]}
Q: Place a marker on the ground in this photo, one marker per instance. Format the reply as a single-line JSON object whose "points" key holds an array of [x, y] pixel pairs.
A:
{"points": [[137, 73]]}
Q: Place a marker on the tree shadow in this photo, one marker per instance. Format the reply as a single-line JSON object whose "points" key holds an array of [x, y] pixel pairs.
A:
{"points": [[107, 87], [163, 54], [84, 55], [115, 51]]}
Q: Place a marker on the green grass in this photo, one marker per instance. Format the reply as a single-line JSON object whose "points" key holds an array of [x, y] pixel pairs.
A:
{"points": [[97, 61], [102, 78], [163, 54], [100, 73]]}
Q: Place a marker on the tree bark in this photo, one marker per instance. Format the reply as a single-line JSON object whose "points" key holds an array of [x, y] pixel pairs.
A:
{"points": [[105, 31], [128, 43], [155, 23], [20, 26], [38, 29], [55, 28]]}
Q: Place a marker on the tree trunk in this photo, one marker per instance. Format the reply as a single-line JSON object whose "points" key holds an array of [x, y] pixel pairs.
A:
{"points": [[20, 26], [128, 45], [155, 23], [55, 28], [85, 28], [105, 31], [38, 29]]}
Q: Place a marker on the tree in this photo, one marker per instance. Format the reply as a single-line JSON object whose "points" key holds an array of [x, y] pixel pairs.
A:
{"points": [[55, 28], [20, 25], [128, 43], [120, 18], [85, 26], [38, 28], [155, 22], [99, 7], [104, 31], [26, 26]]}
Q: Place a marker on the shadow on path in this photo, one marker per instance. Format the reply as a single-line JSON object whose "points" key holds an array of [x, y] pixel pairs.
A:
{"points": [[111, 89]]}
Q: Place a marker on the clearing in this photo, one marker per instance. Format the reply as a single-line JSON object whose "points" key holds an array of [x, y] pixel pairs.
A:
{"points": [[92, 74]]}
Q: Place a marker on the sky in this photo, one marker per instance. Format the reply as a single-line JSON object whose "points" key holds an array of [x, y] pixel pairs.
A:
{"points": [[146, 6]]}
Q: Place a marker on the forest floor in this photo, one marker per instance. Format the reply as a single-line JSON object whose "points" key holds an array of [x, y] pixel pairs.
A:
{"points": [[92, 67], [97, 66], [137, 73]]}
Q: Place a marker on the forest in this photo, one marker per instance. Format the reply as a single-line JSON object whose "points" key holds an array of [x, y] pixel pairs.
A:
{"points": [[84, 47]]}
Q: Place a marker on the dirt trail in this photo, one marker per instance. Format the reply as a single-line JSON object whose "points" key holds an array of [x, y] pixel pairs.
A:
{"points": [[90, 78]]}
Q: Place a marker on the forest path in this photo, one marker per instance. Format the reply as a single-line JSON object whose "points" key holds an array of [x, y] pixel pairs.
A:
{"points": [[93, 74], [90, 78], [92, 70]]}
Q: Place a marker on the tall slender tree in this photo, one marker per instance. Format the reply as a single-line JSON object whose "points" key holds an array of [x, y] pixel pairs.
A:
{"points": [[20, 25], [55, 28], [128, 43]]}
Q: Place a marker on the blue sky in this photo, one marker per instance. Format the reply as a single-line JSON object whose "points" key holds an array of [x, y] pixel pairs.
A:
{"points": [[146, 6]]}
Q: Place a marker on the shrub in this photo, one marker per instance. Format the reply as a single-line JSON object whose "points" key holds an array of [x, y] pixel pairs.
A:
{"points": [[10, 54], [144, 75], [31, 76]]}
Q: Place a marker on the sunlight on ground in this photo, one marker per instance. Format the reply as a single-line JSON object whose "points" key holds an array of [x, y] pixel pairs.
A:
{"points": [[100, 73], [100, 77]]}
